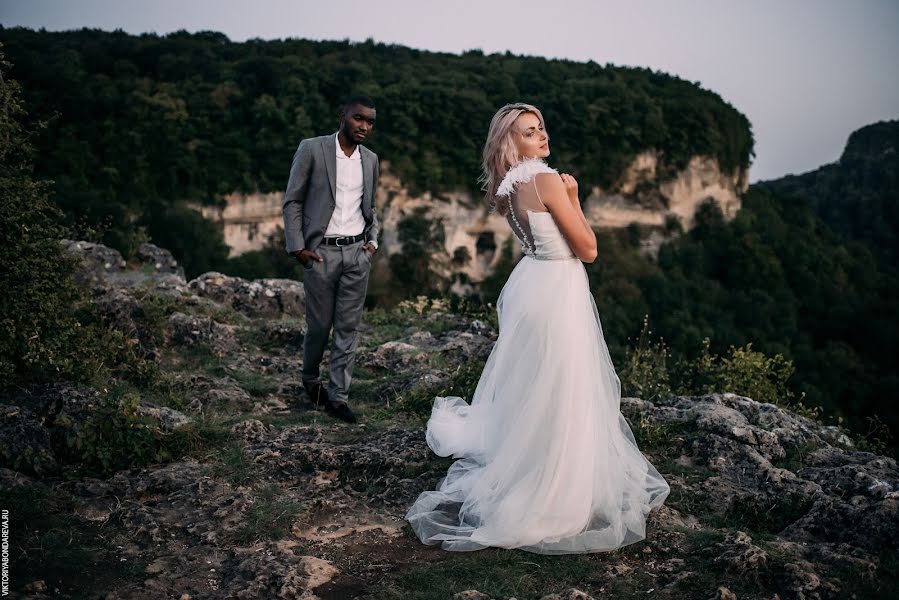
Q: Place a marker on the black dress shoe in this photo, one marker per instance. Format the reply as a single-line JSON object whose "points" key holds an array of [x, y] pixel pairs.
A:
{"points": [[341, 410], [318, 395]]}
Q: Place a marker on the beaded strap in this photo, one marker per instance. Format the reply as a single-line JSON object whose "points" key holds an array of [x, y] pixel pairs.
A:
{"points": [[525, 242]]}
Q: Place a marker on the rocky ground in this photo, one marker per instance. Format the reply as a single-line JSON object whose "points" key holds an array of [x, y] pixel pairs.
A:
{"points": [[256, 495]]}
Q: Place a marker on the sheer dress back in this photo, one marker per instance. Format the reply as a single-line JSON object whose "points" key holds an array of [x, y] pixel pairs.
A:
{"points": [[534, 226]]}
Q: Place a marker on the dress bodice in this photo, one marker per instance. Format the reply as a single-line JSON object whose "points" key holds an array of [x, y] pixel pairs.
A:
{"points": [[529, 218], [549, 243]]}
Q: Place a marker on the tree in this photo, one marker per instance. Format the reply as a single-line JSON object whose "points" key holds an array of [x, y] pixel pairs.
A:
{"points": [[416, 269], [39, 332]]}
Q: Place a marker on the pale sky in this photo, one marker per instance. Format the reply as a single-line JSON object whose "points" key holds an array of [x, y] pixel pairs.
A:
{"points": [[805, 72]]}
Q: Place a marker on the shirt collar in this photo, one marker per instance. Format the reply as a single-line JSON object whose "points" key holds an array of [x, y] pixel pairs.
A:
{"points": [[340, 154]]}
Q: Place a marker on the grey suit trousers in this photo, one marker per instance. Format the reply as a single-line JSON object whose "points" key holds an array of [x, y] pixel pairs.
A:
{"points": [[335, 295]]}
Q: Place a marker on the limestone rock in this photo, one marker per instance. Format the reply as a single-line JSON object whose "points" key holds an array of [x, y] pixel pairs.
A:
{"points": [[219, 395], [739, 554], [96, 260], [723, 593], [471, 595], [569, 594], [102, 268], [194, 330], [257, 298], [394, 356], [288, 334], [279, 573], [159, 259], [24, 443], [168, 419], [477, 235]]}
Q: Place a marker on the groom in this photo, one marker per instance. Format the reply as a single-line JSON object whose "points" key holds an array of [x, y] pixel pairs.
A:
{"points": [[330, 227]]}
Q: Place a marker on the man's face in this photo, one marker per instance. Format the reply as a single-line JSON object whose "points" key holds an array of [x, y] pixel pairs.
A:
{"points": [[356, 122]]}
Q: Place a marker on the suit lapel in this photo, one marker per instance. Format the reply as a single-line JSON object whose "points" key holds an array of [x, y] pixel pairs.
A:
{"points": [[329, 147], [367, 176]]}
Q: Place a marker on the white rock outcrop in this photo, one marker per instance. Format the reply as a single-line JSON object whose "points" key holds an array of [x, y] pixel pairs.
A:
{"points": [[638, 197]]}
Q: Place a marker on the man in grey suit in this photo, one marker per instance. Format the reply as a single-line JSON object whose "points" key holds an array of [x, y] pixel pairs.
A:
{"points": [[331, 227]]}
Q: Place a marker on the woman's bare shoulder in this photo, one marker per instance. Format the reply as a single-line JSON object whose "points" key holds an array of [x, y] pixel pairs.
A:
{"points": [[549, 179], [549, 186]]}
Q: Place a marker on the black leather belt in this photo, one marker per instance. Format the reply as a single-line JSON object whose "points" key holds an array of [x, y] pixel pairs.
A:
{"points": [[344, 240]]}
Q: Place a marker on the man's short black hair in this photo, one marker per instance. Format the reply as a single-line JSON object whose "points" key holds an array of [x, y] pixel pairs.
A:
{"points": [[355, 99]]}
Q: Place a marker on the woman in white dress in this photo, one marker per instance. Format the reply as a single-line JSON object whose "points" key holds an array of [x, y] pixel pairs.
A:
{"points": [[546, 462]]}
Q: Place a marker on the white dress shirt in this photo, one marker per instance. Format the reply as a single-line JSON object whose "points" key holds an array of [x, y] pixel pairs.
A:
{"points": [[347, 217]]}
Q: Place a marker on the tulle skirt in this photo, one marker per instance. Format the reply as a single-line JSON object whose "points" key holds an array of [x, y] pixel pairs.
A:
{"points": [[546, 462]]}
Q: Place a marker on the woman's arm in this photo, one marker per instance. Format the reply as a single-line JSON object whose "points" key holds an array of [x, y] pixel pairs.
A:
{"points": [[571, 189], [559, 195]]}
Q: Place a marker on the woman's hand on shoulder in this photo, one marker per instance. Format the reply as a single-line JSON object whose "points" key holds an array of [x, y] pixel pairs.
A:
{"points": [[553, 187], [554, 193], [570, 186]]}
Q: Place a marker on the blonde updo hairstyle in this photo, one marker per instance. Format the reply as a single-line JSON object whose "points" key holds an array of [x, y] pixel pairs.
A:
{"points": [[500, 153]]}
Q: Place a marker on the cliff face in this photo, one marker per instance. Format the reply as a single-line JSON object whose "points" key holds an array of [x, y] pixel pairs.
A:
{"points": [[248, 220], [638, 197], [466, 224]]}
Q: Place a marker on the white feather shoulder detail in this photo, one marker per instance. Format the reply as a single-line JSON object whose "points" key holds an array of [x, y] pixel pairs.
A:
{"points": [[522, 173]]}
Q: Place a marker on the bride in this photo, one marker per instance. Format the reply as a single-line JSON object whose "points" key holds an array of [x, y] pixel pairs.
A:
{"points": [[546, 462]]}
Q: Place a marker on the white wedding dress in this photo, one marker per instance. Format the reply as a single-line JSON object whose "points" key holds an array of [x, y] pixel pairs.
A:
{"points": [[546, 462]]}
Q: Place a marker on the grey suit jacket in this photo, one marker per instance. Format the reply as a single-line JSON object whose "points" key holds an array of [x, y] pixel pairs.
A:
{"points": [[311, 190]]}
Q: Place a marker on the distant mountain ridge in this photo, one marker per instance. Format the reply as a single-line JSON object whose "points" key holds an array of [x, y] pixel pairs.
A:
{"points": [[857, 196]]}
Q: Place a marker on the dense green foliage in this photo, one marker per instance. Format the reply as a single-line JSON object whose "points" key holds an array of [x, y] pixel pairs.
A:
{"points": [[650, 372], [775, 277], [39, 333], [858, 196], [140, 125], [116, 436], [48, 328], [415, 267]]}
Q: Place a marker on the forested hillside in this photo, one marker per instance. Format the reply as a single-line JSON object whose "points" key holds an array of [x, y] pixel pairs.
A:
{"points": [[858, 196], [139, 125]]}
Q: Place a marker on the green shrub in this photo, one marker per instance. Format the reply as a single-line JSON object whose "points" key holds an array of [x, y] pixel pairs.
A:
{"points": [[116, 436], [876, 437], [650, 374], [744, 372], [645, 374]]}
